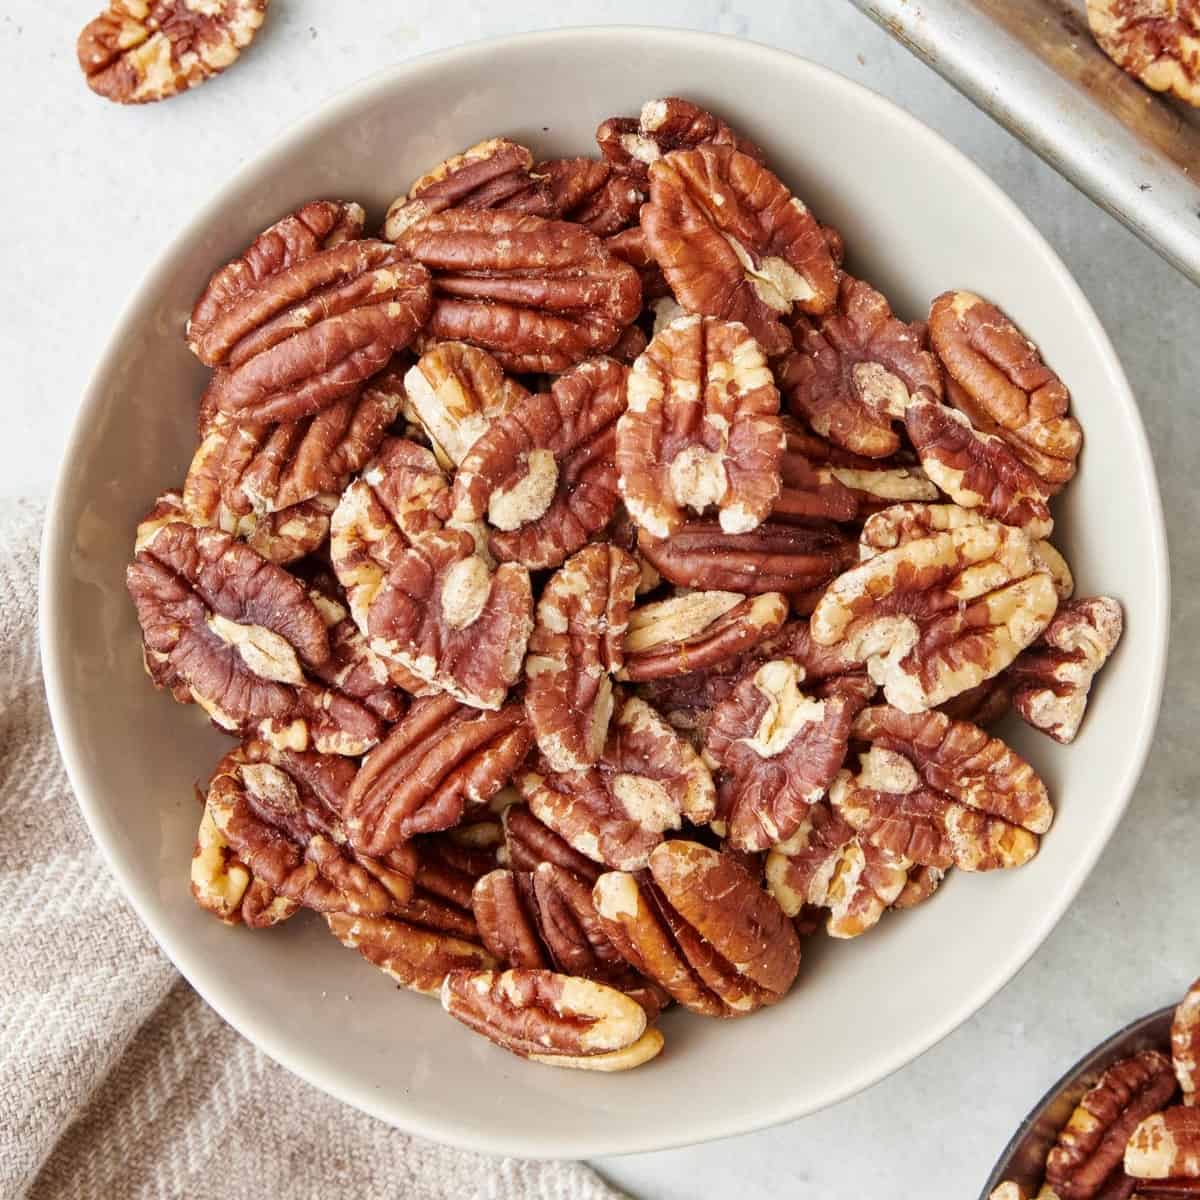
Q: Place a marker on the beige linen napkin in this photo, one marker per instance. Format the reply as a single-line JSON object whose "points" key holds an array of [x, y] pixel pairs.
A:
{"points": [[116, 1080]]}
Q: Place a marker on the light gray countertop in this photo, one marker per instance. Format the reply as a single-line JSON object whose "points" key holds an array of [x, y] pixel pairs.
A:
{"points": [[93, 194]]}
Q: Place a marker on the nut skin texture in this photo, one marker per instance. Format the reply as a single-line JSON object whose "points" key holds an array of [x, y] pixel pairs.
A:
{"points": [[556, 1020], [977, 469], [1091, 1146], [441, 760], [576, 646], [700, 926], [1185, 1044], [543, 474], [528, 843], [540, 295], [777, 751], [444, 615], [854, 372], [591, 193], [1051, 680], [701, 429], [646, 780], [243, 637], [139, 51], [312, 332], [1166, 1146], [733, 242], [693, 632], [1156, 41], [1003, 385], [939, 615], [775, 557]]}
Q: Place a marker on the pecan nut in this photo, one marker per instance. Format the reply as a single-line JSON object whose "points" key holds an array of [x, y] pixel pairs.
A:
{"points": [[244, 638], [1051, 680], [777, 751], [442, 759], [701, 429], [540, 295], [1157, 41], [697, 630], [1166, 1146], [939, 615], [734, 243], [646, 781], [456, 391], [630, 247], [575, 647], [544, 473], [556, 1020], [700, 926], [528, 843], [853, 373], [137, 51], [590, 193], [941, 793], [1090, 1147], [1185, 1044], [1003, 386], [977, 469]]}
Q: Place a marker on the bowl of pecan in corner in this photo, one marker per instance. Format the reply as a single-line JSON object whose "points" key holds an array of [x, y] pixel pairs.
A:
{"points": [[598, 563]]}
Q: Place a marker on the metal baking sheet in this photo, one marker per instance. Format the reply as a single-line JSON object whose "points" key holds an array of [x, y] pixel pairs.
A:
{"points": [[1033, 65]]}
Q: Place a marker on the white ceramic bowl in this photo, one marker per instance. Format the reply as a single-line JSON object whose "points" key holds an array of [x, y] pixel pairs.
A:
{"points": [[918, 218]]}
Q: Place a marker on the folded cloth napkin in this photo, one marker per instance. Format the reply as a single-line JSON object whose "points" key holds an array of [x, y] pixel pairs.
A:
{"points": [[116, 1080]]}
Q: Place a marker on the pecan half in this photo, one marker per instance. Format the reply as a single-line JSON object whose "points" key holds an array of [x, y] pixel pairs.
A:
{"points": [[311, 332], [590, 193], [575, 647], [775, 557], [440, 760], [1185, 1044], [1158, 41], [701, 429], [456, 391], [697, 630], [699, 925], [976, 469], [528, 843], [142, 50], [646, 781], [734, 243], [1090, 1147], [825, 864], [557, 1020], [244, 638], [543, 474], [1166, 1146], [540, 295], [941, 793], [777, 750], [1052, 679], [631, 144], [939, 615], [449, 619], [1003, 386], [853, 373]]}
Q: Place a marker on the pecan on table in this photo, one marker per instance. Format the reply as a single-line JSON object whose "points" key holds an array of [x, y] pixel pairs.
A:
{"points": [[1165, 1147], [1185, 1044], [1157, 41], [137, 51], [645, 782], [776, 751], [855, 370], [699, 925], [540, 295], [1090, 1148], [941, 793], [544, 474], [936, 616], [556, 1020], [701, 429], [734, 243], [576, 646], [999, 380], [245, 639]]}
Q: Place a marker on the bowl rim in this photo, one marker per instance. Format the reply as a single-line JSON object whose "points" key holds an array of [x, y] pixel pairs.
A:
{"points": [[397, 1110]]}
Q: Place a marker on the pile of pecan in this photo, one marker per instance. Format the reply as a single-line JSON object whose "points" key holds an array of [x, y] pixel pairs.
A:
{"points": [[1135, 1135], [605, 588]]}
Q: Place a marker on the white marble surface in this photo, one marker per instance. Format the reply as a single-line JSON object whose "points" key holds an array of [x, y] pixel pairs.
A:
{"points": [[93, 193]]}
